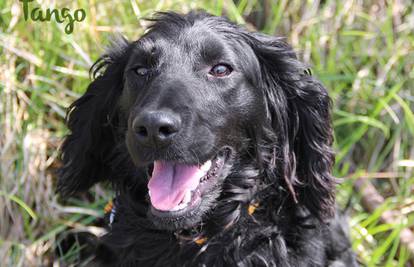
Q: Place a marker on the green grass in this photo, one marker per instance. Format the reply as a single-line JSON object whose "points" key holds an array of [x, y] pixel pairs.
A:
{"points": [[363, 51]]}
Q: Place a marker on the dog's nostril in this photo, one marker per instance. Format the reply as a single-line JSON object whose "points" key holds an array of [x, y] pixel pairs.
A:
{"points": [[166, 130], [142, 131]]}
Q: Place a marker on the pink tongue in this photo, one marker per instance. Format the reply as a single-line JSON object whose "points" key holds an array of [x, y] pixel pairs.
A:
{"points": [[170, 181]]}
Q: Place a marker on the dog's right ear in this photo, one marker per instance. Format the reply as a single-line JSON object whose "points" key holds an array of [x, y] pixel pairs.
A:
{"points": [[91, 120]]}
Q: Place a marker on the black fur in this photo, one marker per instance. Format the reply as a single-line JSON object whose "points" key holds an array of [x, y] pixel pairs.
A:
{"points": [[270, 111]]}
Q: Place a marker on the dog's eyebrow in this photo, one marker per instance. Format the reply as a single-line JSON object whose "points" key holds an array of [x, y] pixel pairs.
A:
{"points": [[145, 45], [211, 51], [147, 49], [145, 52]]}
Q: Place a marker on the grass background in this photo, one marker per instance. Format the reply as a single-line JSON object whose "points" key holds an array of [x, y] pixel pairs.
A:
{"points": [[363, 51]]}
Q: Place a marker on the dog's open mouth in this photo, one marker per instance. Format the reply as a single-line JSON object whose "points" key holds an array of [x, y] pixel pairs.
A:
{"points": [[176, 189]]}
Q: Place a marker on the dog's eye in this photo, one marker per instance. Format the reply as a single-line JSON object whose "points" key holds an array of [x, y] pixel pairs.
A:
{"points": [[142, 71], [220, 70]]}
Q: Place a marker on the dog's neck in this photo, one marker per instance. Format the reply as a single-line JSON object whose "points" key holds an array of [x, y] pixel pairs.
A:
{"points": [[254, 211], [199, 238]]}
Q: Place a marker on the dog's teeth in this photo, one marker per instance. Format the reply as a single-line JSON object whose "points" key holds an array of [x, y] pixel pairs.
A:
{"points": [[184, 203], [206, 166], [193, 187], [179, 207], [204, 178], [187, 197]]}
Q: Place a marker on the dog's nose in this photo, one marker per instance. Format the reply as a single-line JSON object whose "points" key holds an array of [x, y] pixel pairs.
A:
{"points": [[157, 127]]}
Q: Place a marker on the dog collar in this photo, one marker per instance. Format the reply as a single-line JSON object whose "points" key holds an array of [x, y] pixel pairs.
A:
{"points": [[199, 240], [108, 207], [252, 208], [110, 210]]}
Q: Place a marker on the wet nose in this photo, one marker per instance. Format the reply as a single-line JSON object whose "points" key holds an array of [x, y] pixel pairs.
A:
{"points": [[156, 127]]}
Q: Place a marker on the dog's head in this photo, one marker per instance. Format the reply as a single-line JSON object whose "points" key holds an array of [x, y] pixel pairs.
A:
{"points": [[194, 100]]}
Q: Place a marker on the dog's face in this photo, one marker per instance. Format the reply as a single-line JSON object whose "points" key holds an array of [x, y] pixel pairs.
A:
{"points": [[189, 98], [202, 104]]}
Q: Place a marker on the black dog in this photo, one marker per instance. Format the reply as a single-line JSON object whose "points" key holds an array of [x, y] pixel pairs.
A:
{"points": [[218, 143]]}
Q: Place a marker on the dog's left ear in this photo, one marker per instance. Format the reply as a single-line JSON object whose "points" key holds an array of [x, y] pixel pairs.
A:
{"points": [[298, 111]]}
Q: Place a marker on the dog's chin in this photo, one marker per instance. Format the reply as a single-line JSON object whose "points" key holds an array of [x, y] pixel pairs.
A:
{"points": [[191, 211]]}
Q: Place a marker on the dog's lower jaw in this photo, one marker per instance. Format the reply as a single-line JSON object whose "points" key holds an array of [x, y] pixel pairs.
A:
{"points": [[199, 214], [194, 218]]}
